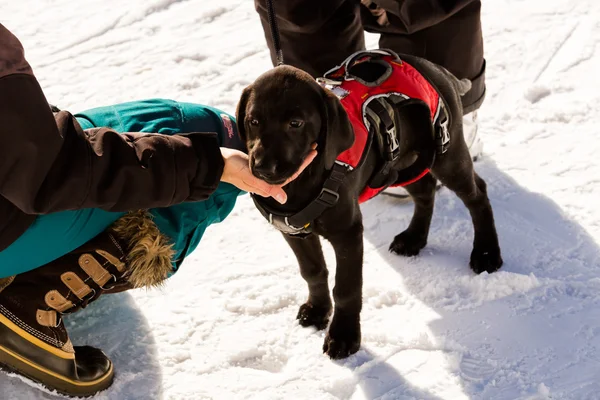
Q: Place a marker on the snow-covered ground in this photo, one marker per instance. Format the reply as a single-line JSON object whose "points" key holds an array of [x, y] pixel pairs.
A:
{"points": [[224, 327]]}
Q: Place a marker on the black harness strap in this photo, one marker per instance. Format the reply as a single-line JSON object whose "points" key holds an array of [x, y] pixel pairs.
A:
{"points": [[441, 122], [380, 113], [298, 224]]}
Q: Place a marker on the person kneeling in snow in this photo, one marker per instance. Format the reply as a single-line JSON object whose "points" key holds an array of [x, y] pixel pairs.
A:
{"points": [[86, 209]]}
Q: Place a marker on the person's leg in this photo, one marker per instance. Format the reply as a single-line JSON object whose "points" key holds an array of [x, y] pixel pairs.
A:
{"points": [[447, 33], [34, 341], [316, 35], [52, 236]]}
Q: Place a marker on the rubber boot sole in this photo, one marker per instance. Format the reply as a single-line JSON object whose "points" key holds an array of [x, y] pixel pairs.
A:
{"points": [[11, 362], [12, 338]]}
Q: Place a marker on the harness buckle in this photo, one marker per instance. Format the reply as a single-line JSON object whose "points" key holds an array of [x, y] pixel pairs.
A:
{"points": [[323, 81], [328, 197], [339, 171], [442, 133], [443, 136], [393, 143], [283, 224], [287, 223]]}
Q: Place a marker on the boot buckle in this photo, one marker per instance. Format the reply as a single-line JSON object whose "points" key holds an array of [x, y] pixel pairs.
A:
{"points": [[90, 296], [114, 279]]}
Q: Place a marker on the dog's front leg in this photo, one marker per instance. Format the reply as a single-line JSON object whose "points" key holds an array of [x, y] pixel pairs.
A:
{"points": [[343, 337], [315, 312]]}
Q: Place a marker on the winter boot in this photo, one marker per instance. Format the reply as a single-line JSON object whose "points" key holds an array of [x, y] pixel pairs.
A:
{"points": [[474, 143], [33, 339], [470, 131]]}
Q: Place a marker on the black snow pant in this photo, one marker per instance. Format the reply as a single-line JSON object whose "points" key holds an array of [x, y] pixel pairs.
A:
{"points": [[317, 35]]}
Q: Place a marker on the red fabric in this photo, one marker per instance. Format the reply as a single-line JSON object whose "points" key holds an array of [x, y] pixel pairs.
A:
{"points": [[404, 79]]}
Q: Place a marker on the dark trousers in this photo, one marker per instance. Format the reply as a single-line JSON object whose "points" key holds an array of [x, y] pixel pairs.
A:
{"points": [[317, 35]]}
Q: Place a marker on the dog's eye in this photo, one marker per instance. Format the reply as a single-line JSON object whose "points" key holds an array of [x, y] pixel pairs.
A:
{"points": [[296, 123], [254, 122]]}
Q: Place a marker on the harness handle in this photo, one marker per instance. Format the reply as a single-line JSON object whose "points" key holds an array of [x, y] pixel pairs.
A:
{"points": [[374, 54], [341, 73]]}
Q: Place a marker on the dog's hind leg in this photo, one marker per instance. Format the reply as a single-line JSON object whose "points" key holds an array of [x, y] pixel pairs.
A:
{"points": [[317, 309], [472, 190], [414, 238]]}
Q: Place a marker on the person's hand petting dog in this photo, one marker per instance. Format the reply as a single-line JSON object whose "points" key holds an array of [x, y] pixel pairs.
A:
{"points": [[237, 172]]}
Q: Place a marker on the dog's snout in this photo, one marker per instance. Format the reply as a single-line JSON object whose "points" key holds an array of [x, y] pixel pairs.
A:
{"points": [[265, 168]]}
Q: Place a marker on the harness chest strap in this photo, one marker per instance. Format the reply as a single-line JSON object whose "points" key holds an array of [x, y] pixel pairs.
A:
{"points": [[298, 224]]}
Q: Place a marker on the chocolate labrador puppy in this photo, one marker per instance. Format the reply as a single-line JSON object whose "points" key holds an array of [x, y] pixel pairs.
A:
{"points": [[282, 114]]}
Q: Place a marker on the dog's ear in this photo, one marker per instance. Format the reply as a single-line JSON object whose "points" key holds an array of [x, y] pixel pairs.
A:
{"points": [[240, 112], [336, 129]]}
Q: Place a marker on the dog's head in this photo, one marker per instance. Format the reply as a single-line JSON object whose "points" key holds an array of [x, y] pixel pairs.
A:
{"points": [[282, 114]]}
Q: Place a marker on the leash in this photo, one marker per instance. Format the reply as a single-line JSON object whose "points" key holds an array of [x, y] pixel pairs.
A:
{"points": [[274, 32]]}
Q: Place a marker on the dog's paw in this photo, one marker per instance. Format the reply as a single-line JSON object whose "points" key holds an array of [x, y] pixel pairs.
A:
{"points": [[311, 315], [485, 260], [342, 340], [406, 244]]}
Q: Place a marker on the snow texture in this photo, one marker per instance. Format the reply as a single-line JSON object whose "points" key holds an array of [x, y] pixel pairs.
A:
{"points": [[224, 327]]}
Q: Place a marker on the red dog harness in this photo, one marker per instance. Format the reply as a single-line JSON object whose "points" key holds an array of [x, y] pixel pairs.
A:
{"points": [[370, 105], [359, 98]]}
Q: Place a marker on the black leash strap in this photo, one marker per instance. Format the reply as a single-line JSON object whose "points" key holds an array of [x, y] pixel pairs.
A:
{"points": [[274, 32]]}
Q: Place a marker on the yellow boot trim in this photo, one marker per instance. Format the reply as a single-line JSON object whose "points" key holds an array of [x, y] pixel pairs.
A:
{"points": [[32, 339], [54, 374]]}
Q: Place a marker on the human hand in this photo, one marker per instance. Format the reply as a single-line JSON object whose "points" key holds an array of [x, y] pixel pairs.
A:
{"points": [[237, 172]]}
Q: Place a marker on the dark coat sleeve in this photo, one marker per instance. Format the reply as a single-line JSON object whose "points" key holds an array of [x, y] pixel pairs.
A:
{"points": [[48, 163]]}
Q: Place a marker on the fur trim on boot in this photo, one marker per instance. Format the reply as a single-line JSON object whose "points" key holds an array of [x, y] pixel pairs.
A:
{"points": [[149, 255], [4, 282]]}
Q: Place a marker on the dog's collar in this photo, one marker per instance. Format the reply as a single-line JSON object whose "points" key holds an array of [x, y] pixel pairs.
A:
{"points": [[300, 223]]}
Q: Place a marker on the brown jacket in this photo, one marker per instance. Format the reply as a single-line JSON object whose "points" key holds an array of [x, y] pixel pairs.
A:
{"points": [[48, 163]]}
